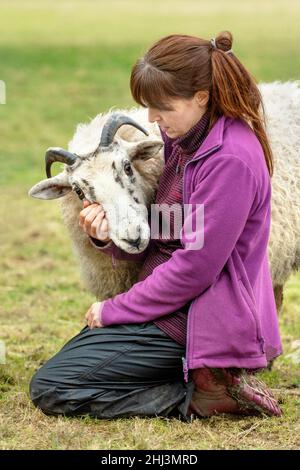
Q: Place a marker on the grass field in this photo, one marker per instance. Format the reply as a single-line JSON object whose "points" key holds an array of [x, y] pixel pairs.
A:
{"points": [[62, 63]]}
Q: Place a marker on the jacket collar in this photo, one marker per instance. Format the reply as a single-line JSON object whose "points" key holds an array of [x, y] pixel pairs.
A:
{"points": [[212, 142], [214, 139], [192, 140]]}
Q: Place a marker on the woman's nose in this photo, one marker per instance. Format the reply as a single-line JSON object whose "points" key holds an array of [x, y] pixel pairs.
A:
{"points": [[153, 116]]}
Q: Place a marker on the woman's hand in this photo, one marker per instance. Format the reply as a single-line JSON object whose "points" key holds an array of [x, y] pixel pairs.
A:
{"points": [[93, 221], [93, 315]]}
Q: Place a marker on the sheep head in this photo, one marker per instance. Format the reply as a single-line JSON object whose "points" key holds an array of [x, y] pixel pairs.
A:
{"points": [[115, 175]]}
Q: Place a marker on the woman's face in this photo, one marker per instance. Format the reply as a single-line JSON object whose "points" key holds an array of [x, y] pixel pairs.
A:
{"points": [[180, 115]]}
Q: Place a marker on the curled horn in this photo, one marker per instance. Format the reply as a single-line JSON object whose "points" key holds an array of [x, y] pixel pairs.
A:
{"points": [[113, 123], [56, 154]]}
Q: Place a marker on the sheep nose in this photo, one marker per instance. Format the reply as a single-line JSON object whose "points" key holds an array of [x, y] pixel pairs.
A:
{"points": [[135, 243]]}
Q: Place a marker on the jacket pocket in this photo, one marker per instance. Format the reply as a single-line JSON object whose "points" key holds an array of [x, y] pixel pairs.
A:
{"points": [[246, 296]]}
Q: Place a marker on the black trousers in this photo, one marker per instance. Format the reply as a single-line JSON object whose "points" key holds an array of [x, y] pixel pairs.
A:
{"points": [[115, 371]]}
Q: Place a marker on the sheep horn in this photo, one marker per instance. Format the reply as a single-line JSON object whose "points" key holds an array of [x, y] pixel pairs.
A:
{"points": [[113, 123], [56, 154]]}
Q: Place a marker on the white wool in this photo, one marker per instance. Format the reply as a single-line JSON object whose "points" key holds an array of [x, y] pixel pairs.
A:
{"points": [[87, 136], [282, 107]]}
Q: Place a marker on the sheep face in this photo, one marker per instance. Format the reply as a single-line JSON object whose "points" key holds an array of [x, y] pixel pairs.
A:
{"points": [[112, 177]]}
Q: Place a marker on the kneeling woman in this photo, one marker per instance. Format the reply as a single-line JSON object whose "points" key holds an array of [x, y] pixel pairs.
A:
{"points": [[187, 338]]}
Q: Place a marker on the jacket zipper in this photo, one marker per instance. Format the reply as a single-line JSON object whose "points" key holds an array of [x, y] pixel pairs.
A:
{"points": [[178, 164], [185, 359]]}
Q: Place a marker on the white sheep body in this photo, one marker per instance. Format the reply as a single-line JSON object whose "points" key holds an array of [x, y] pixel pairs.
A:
{"points": [[282, 106]]}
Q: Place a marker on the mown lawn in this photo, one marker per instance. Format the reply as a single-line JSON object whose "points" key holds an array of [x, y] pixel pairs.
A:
{"points": [[63, 63]]}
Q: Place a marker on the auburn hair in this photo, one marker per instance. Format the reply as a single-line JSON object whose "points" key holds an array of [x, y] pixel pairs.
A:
{"points": [[177, 66]]}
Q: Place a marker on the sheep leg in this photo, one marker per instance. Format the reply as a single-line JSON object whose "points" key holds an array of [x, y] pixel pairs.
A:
{"points": [[278, 293]]}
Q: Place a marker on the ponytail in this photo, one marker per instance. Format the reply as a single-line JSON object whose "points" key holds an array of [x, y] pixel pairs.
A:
{"points": [[234, 92]]}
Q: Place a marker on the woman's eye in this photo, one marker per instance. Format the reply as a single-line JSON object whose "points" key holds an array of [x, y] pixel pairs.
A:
{"points": [[128, 169], [79, 192]]}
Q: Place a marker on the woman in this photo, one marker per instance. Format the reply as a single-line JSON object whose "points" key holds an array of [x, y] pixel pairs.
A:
{"points": [[209, 303]]}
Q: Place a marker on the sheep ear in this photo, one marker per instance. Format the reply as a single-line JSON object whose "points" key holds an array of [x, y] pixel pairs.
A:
{"points": [[51, 188], [144, 150]]}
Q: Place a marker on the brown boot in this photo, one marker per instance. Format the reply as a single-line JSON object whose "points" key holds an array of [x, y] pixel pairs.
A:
{"points": [[220, 391]]}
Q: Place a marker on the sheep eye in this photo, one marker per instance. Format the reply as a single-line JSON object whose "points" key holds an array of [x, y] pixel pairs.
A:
{"points": [[128, 169], [79, 192]]}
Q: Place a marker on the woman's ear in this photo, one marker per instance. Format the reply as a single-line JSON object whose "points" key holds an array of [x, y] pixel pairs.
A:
{"points": [[202, 98]]}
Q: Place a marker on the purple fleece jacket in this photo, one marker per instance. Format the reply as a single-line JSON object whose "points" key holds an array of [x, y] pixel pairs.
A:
{"points": [[232, 319]]}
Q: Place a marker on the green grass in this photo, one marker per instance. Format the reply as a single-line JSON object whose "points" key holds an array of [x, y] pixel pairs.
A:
{"points": [[63, 62]]}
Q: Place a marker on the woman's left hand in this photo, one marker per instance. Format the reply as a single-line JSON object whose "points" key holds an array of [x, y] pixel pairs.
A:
{"points": [[93, 315]]}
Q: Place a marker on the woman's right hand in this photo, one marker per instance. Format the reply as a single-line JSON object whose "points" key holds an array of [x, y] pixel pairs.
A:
{"points": [[93, 221]]}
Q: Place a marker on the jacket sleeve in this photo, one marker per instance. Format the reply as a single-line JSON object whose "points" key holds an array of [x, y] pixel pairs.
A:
{"points": [[226, 188]]}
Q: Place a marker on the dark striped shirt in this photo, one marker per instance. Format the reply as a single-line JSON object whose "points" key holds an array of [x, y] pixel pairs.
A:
{"points": [[170, 192]]}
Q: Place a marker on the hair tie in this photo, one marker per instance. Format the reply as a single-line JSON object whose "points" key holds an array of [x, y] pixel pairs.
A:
{"points": [[213, 43]]}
